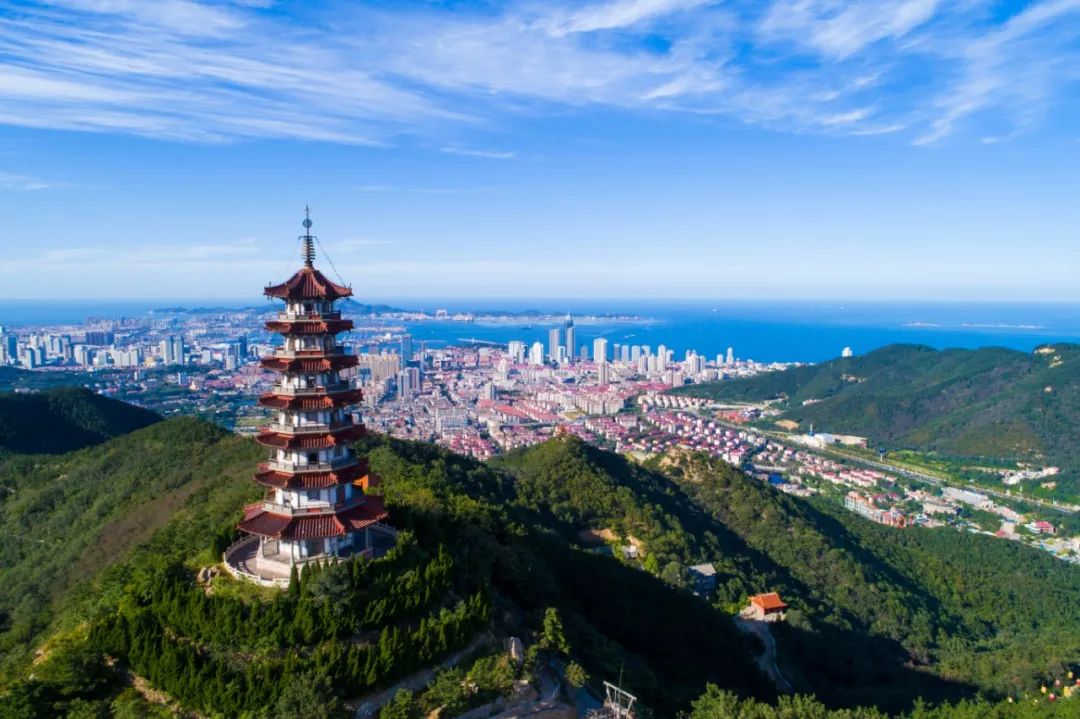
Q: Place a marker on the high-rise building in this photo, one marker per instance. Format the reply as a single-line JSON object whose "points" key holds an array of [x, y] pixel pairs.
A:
{"points": [[553, 343], [83, 355], [378, 367], [100, 338], [583, 353], [847, 352], [408, 382], [406, 348], [241, 348], [571, 337], [730, 356], [516, 350], [635, 352], [616, 352], [602, 372], [172, 350], [661, 358], [316, 506], [536, 354], [11, 348], [599, 350], [625, 357]]}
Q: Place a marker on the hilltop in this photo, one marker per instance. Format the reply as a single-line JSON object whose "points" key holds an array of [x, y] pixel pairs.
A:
{"points": [[984, 403], [63, 419], [107, 567], [164, 503]]}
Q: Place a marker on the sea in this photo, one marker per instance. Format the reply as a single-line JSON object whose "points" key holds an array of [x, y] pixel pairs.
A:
{"points": [[765, 331]]}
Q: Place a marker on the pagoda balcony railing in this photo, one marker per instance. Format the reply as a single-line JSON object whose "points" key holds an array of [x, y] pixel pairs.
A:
{"points": [[285, 466], [286, 316], [313, 352], [310, 391], [309, 428], [322, 508]]}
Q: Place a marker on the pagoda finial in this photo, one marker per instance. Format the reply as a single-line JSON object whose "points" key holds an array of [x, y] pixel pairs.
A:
{"points": [[309, 241]]}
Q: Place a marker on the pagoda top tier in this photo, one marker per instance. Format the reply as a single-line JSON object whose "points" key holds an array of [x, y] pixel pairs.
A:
{"points": [[308, 283]]}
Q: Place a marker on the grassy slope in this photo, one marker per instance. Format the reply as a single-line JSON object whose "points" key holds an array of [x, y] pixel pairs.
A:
{"points": [[64, 419], [66, 517]]}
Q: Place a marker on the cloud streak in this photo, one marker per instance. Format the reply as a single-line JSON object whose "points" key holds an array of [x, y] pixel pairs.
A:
{"points": [[355, 74]]}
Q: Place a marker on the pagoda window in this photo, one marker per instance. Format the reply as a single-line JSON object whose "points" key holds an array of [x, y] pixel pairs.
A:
{"points": [[340, 494], [313, 495]]}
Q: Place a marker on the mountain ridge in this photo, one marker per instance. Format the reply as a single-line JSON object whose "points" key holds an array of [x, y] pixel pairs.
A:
{"points": [[993, 403], [63, 419]]}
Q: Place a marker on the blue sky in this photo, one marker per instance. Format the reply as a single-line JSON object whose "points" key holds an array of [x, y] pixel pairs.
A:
{"points": [[631, 148]]}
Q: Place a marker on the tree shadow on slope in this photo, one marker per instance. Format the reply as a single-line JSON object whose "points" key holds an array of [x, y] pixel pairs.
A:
{"points": [[851, 668]]}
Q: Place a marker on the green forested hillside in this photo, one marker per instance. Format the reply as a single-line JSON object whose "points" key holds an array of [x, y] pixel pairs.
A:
{"points": [[988, 402], [228, 656], [63, 518], [110, 537], [63, 419], [936, 614]]}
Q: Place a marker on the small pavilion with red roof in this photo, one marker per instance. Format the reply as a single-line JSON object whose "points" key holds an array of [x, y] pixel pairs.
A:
{"points": [[766, 607]]}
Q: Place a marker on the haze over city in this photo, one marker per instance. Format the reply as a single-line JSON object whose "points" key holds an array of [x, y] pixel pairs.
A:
{"points": [[664, 148]]}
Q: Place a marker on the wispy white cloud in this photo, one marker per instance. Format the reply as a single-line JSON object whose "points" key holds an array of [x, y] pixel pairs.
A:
{"points": [[347, 73], [486, 154], [1015, 67], [16, 181], [614, 15], [840, 29]]}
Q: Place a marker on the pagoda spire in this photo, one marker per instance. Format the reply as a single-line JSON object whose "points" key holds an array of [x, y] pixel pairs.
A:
{"points": [[309, 242]]}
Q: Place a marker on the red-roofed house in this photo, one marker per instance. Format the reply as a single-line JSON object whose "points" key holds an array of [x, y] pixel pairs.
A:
{"points": [[765, 608]]}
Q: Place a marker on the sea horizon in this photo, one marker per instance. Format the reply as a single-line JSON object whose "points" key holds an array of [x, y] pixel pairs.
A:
{"points": [[809, 330]]}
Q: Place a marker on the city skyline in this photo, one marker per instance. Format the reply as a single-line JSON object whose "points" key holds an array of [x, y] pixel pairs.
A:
{"points": [[647, 149]]}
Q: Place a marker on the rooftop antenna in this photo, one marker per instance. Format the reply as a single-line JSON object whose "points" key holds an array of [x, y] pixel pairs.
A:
{"points": [[309, 242]]}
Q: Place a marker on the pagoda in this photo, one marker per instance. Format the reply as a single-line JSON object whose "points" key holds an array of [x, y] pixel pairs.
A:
{"points": [[316, 505]]}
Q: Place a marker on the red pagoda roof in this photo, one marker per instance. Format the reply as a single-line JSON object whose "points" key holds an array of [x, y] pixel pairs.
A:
{"points": [[308, 284], [282, 526], [310, 480], [314, 440], [309, 364], [326, 401], [355, 474], [309, 327]]}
